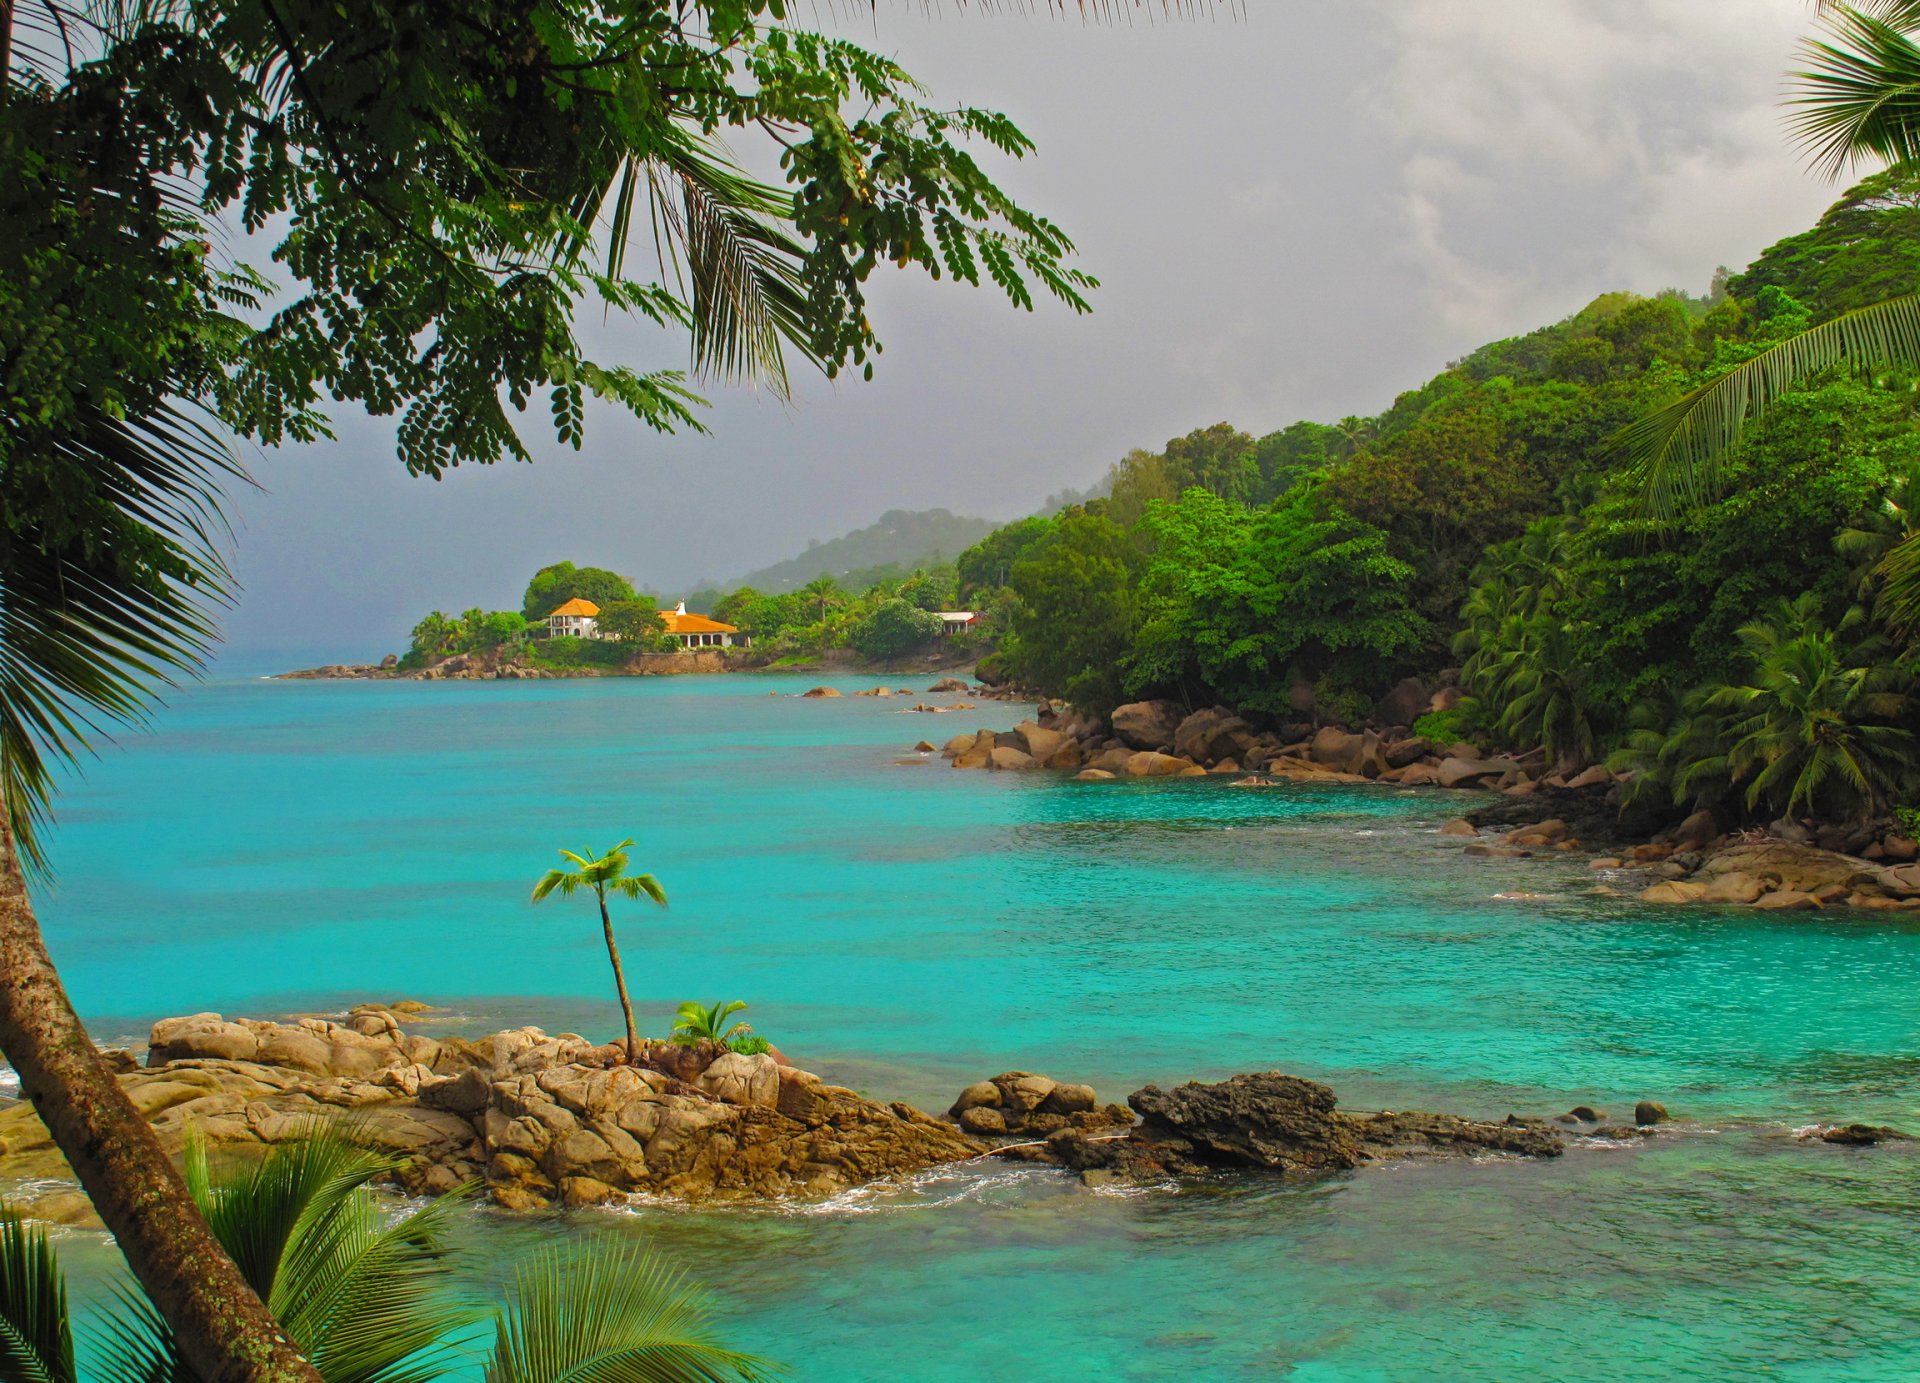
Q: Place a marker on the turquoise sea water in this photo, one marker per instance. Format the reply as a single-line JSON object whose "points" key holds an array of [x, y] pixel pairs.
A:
{"points": [[280, 847]]}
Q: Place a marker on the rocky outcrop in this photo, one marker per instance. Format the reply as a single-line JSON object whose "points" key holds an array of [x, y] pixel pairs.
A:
{"points": [[1282, 1123], [746, 1130], [1147, 724], [538, 1119], [1212, 735], [1022, 1104]]}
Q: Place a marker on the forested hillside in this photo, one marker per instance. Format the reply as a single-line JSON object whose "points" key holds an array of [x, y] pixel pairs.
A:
{"points": [[1486, 524], [886, 550]]}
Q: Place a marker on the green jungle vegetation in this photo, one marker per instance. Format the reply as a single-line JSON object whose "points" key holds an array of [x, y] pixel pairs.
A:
{"points": [[1735, 645]]}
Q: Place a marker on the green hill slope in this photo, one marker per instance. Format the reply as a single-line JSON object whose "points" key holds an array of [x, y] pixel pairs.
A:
{"points": [[895, 544]]}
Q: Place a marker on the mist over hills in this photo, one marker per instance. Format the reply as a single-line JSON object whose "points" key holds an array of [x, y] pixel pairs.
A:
{"points": [[893, 545]]}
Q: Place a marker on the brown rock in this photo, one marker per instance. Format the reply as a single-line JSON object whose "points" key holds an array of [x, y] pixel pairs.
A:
{"points": [[1041, 744], [1211, 735], [1674, 892], [985, 1121], [821, 692], [1404, 704], [1459, 828], [1090, 775], [1733, 888], [1463, 772], [1147, 724], [1787, 900], [1696, 831]]}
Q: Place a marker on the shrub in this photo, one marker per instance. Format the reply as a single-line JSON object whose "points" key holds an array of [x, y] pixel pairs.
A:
{"points": [[1447, 727], [749, 1046]]}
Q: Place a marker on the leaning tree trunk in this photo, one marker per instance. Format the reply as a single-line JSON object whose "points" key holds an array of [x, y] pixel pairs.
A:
{"points": [[219, 1324], [620, 983]]}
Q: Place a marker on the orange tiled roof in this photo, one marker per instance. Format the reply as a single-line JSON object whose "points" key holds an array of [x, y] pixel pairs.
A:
{"points": [[694, 624], [577, 606]]}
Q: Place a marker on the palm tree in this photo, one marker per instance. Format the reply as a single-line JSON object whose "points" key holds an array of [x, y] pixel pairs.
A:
{"points": [[601, 874], [362, 1292], [826, 591], [696, 1022], [1807, 732], [1538, 682], [1860, 98]]}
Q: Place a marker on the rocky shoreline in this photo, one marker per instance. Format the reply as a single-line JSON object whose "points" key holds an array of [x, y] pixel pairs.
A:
{"points": [[541, 1122], [1549, 809]]}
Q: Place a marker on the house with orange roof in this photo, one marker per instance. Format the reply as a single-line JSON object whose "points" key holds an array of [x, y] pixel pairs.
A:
{"points": [[697, 631], [577, 619]]}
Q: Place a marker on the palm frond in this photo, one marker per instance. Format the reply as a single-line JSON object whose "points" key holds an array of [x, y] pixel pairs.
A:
{"points": [[1861, 92], [642, 885], [557, 881], [1902, 14], [1899, 600], [355, 1288], [96, 612], [36, 1336], [743, 270], [612, 1315], [1676, 452]]}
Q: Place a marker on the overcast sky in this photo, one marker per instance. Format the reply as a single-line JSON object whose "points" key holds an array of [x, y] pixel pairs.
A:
{"points": [[1296, 213]]}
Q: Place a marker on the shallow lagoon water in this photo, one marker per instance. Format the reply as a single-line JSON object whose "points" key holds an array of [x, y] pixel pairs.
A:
{"points": [[283, 847]]}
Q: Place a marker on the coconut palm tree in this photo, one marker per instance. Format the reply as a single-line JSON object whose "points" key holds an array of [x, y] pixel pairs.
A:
{"points": [[1859, 99], [1806, 732], [1539, 683], [363, 1293], [600, 875], [825, 592]]}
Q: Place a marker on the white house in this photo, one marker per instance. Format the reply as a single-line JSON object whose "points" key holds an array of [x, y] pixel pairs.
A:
{"points": [[577, 619], [957, 621]]}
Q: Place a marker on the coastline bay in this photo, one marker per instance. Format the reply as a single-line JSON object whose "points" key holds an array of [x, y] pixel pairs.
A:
{"points": [[278, 847]]}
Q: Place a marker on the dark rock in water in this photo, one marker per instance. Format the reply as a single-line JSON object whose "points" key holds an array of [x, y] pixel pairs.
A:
{"points": [[1649, 1112], [1262, 1120], [1395, 1134], [1281, 1123], [1587, 1114], [1864, 1135]]}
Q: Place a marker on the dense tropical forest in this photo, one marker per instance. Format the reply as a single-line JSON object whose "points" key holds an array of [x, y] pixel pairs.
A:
{"points": [[1490, 527]]}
